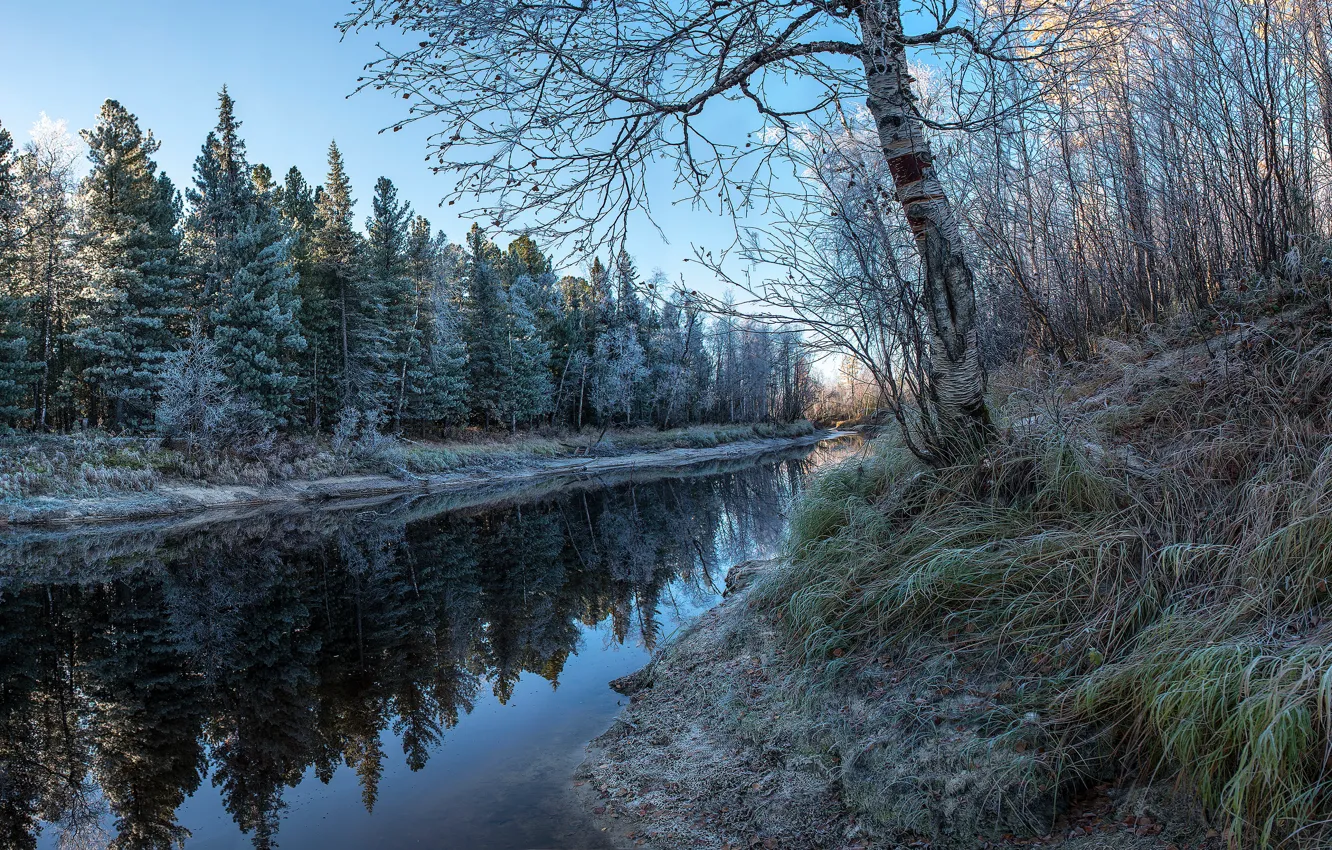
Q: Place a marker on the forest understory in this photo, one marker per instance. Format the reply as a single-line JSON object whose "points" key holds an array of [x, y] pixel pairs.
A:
{"points": [[1110, 631], [93, 476]]}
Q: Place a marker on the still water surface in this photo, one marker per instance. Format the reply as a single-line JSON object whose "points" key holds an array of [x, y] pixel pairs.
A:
{"points": [[410, 674]]}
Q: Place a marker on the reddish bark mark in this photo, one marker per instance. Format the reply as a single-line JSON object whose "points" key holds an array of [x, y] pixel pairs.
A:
{"points": [[909, 167]]}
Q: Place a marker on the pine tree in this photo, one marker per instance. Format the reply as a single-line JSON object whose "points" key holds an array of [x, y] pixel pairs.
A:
{"points": [[134, 306], [16, 370], [247, 279], [523, 257], [263, 185]]}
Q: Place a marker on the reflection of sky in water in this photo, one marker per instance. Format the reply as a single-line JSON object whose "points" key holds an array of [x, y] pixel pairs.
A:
{"points": [[280, 652]]}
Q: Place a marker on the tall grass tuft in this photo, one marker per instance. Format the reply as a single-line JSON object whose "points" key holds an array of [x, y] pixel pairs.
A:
{"points": [[1154, 567]]}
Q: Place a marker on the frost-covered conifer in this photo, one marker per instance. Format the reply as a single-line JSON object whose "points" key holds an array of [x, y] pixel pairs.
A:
{"points": [[355, 331], [527, 395], [245, 275], [435, 385], [133, 304]]}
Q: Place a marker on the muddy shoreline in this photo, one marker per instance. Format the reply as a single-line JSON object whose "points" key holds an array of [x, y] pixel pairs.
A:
{"points": [[198, 501]]}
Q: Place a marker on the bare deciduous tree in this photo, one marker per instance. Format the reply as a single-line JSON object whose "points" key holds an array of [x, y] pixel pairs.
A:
{"points": [[554, 110]]}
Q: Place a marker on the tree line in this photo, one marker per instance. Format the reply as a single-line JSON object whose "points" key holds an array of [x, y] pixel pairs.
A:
{"points": [[251, 304]]}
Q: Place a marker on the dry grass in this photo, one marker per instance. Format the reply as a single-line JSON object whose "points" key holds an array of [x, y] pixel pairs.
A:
{"points": [[90, 464], [1147, 555], [85, 464]]}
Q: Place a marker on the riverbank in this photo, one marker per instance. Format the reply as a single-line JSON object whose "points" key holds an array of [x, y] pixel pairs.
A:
{"points": [[726, 743], [458, 468], [1111, 631]]}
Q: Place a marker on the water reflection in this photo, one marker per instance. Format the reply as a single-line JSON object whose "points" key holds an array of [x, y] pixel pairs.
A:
{"points": [[137, 666]]}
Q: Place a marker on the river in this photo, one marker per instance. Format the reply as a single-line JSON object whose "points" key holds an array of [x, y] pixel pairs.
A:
{"points": [[406, 674]]}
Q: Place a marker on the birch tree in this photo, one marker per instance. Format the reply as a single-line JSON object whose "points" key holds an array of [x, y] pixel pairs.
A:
{"points": [[551, 113], [44, 271], [16, 370]]}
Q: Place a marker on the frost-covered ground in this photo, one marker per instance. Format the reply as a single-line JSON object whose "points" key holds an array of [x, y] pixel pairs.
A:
{"points": [[60, 479], [724, 745]]}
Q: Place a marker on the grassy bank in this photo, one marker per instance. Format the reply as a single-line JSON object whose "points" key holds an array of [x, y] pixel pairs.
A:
{"points": [[1133, 587], [93, 464]]}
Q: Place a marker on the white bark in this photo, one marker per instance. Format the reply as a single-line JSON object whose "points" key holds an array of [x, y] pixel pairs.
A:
{"points": [[957, 373]]}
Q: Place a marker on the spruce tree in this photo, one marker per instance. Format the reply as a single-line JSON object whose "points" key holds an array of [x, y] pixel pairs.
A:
{"points": [[357, 336], [436, 384], [219, 200], [133, 298], [487, 332], [388, 238], [629, 306], [295, 201], [16, 370], [255, 323], [246, 276], [526, 395]]}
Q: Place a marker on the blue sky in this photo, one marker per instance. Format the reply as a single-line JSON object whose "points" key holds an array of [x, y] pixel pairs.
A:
{"points": [[290, 74]]}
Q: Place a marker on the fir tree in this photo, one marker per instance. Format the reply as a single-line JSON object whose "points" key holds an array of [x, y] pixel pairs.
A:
{"points": [[255, 323], [133, 297], [219, 200], [295, 201]]}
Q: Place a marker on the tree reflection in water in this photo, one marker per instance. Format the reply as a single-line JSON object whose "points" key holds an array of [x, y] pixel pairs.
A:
{"points": [[135, 665]]}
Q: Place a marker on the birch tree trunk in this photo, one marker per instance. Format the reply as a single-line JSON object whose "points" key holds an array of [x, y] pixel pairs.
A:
{"points": [[957, 375]]}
